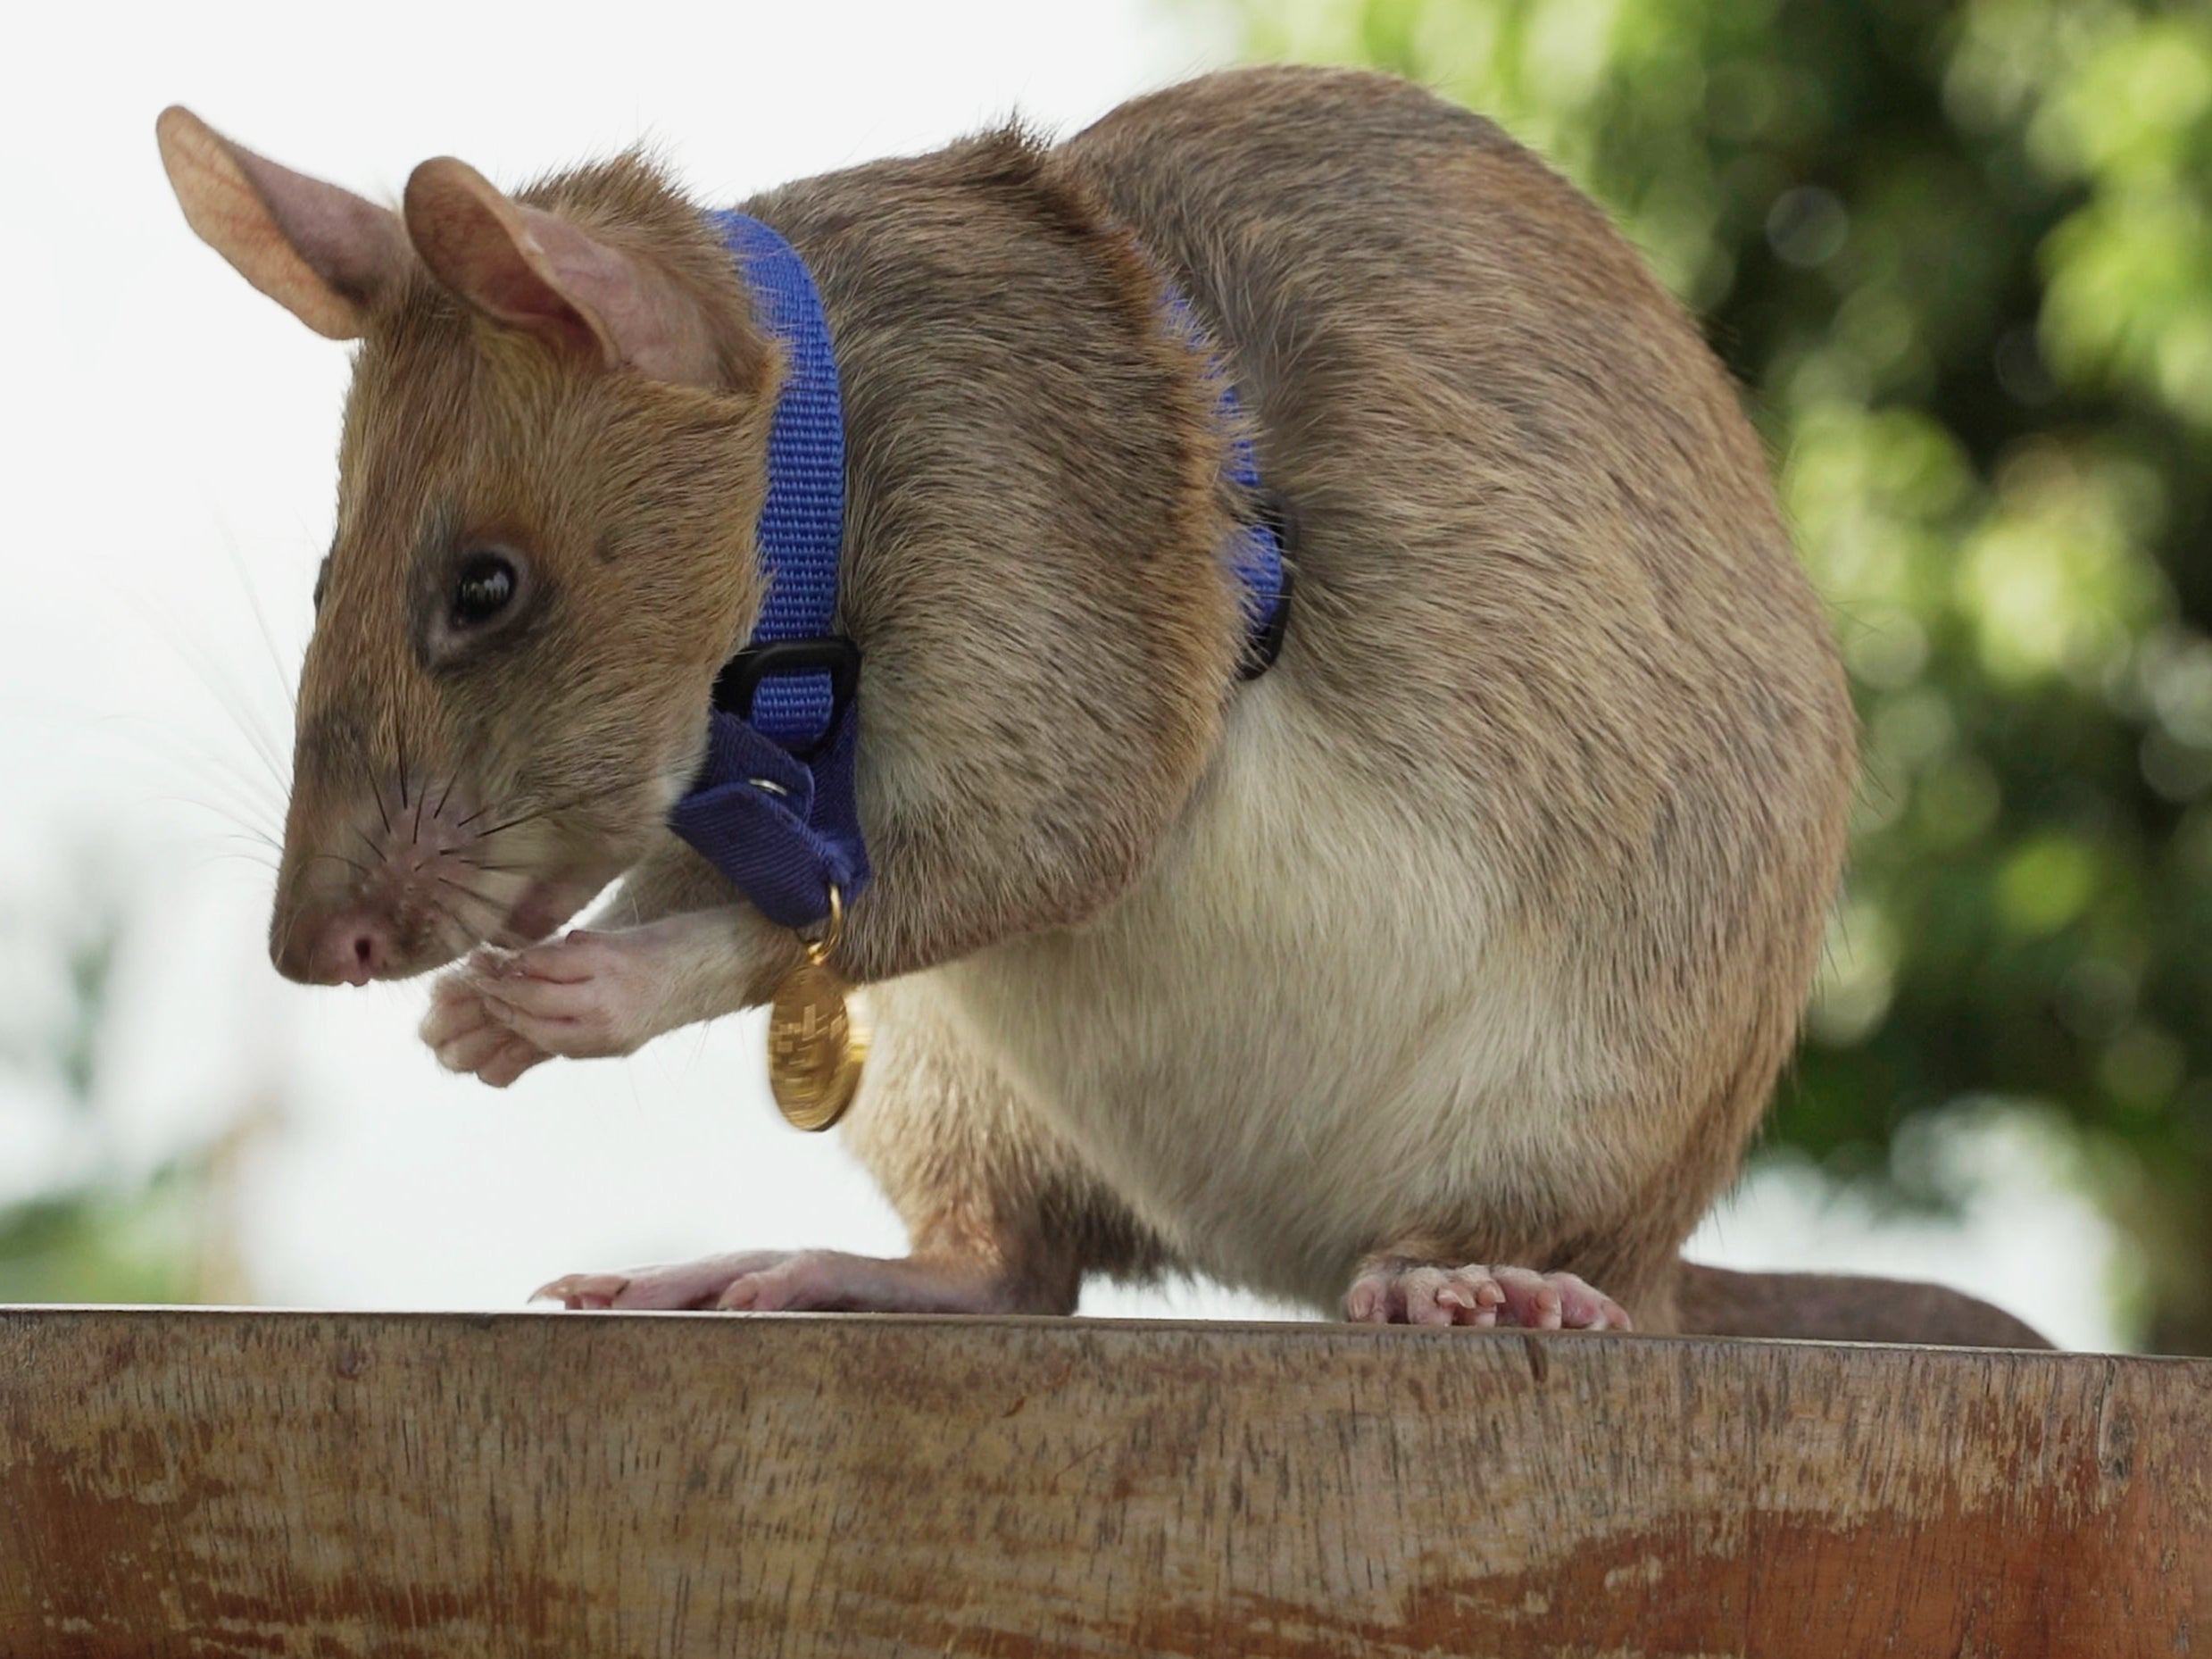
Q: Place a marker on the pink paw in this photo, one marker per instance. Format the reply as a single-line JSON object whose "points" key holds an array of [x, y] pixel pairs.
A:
{"points": [[582, 996], [1399, 1290], [777, 1281], [465, 1035]]}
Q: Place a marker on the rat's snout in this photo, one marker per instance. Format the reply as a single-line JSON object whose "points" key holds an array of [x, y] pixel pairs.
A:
{"points": [[383, 879], [376, 882], [349, 946]]}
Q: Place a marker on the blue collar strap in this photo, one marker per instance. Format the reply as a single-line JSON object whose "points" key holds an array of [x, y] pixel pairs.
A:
{"points": [[774, 807], [1258, 555]]}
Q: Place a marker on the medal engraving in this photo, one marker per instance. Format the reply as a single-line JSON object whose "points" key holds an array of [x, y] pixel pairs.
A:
{"points": [[815, 1047]]}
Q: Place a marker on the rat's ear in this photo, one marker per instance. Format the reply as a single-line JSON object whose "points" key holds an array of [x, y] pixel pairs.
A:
{"points": [[323, 253], [532, 271]]}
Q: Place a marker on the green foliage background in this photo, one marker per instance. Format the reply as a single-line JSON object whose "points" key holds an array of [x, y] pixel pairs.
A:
{"points": [[1961, 257], [104, 1228]]}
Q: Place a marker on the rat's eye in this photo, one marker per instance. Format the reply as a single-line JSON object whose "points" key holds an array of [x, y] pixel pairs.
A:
{"points": [[473, 599], [484, 586]]}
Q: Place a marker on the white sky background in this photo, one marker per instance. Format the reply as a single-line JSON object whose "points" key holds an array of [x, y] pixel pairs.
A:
{"points": [[166, 461]]}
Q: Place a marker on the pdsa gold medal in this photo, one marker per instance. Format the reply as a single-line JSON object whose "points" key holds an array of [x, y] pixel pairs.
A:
{"points": [[815, 1047]]}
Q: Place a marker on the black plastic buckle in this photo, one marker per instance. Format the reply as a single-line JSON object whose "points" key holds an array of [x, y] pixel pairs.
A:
{"points": [[832, 654], [1274, 513]]}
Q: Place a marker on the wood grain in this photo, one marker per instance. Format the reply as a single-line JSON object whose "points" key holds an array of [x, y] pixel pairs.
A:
{"points": [[257, 1483]]}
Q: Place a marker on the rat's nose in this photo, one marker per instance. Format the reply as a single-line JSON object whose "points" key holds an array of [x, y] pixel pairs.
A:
{"points": [[349, 947]]}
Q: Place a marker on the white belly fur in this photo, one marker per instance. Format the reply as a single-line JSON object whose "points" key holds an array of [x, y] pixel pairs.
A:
{"points": [[1300, 1034]]}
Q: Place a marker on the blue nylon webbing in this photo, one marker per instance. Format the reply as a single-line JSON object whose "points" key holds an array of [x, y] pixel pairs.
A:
{"points": [[801, 529], [774, 808], [1256, 556]]}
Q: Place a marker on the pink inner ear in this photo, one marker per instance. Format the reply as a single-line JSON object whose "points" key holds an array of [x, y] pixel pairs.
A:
{"points": [[497, 279], [595, 284], [488, 250], [528, 268], [354, 246], [320, 251]]}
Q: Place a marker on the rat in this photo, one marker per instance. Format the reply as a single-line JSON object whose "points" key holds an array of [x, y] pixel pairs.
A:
{"points": [[1440, 973]]}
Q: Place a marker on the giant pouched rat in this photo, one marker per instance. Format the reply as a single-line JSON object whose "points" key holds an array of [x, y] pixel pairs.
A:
{"points": [[1440, 973]]}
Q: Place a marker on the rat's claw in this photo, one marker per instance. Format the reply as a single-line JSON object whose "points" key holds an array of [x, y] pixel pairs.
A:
{"points": [[1557, 1302], [579, 1291], [1406, 1290], [576, 955]]}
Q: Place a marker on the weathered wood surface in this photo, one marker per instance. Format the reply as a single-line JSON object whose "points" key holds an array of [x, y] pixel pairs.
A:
{"points": [[217, 1483]]}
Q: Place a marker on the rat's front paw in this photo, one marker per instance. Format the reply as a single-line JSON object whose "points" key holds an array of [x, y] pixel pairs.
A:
{"points": [[592, 994], [465, 1035], [584, 997], [1405, 1290]]}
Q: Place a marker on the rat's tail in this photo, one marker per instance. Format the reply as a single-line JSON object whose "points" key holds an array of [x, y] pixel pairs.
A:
{"points": [[1833, 1307]]}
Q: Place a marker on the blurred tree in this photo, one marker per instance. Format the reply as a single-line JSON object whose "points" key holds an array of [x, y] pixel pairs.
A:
{"points": [[1961, 254]]}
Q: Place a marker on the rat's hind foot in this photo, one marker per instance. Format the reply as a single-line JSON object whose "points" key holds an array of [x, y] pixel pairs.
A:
{"points": [[766, 1281], [1406, 1290]]}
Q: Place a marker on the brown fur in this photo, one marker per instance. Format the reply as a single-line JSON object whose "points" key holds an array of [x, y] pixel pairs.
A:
{"points": [[1034, 514], [1555, 696], [1587, 626], [1038, 1220], [456, 432]]}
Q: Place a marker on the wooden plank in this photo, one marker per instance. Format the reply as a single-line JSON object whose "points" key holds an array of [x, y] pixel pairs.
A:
{"points": [[234, 1483]]}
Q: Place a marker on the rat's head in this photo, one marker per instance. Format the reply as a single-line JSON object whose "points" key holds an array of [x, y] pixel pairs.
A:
{"points": [[553, 458]]}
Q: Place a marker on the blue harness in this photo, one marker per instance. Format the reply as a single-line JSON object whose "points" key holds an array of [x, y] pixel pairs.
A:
{"points": [[774, 808]]}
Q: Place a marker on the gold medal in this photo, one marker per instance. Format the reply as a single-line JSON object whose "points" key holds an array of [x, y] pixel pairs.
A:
{"points": [[815, 1047]]}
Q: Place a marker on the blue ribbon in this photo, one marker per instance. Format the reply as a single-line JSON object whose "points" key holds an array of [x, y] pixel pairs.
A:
{"points": [[774, 807]]}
